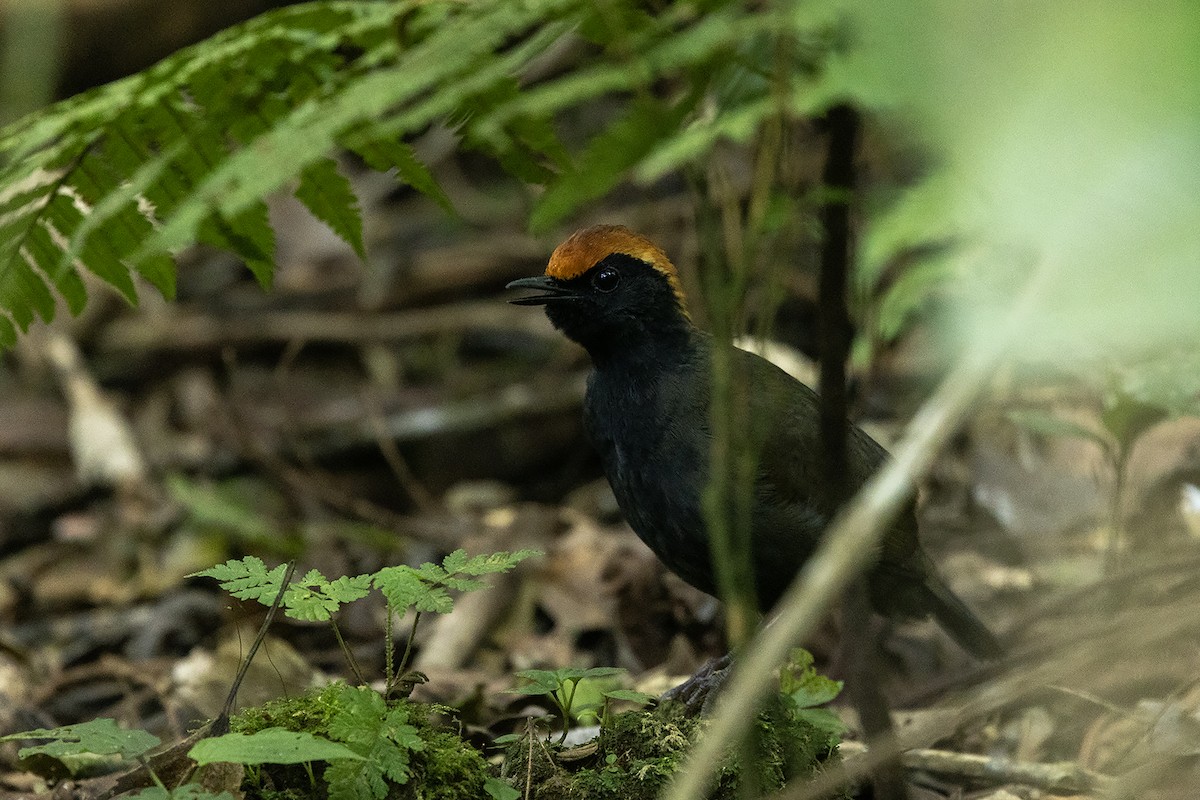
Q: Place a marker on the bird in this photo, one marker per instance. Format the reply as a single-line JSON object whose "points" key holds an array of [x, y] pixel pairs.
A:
{"points": [[646, 412]]}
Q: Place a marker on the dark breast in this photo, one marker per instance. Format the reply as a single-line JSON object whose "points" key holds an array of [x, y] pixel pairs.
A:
{"points": [[656, 466]]}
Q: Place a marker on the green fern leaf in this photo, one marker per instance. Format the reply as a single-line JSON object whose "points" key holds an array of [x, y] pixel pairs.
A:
{"points": [[65, 212], [8, 332], [63, 273], [24, 292], [607, 158], [327, 194], [248, 235], [391, 153], [247, 578], [310, 132]]}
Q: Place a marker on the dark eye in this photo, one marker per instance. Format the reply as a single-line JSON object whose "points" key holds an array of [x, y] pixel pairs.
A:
{"points": [[606, 279]]}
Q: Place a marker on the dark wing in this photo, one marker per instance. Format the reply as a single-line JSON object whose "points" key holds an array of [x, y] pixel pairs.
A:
{"points": [[790, 480]]}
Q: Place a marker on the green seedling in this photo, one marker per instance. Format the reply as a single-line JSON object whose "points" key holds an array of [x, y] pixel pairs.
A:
{"points": [[562, 686]]}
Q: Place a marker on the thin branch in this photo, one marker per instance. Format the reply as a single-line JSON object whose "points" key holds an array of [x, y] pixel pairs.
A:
{"points": [[859, 633], [1061, 776], [412, 634], [350, 659], [220, 725], [177, 330], [389, 648]]}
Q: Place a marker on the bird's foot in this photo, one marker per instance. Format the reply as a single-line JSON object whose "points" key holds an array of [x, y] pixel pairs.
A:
{"points": [[698, 692]]}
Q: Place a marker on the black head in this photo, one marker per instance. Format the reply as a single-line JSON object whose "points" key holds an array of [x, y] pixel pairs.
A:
{"points": [[607, 287]]}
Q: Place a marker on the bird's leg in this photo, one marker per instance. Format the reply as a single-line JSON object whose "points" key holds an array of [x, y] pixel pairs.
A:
{"points": [[698, 692]]}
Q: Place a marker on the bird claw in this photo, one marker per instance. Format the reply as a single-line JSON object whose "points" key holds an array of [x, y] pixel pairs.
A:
{"points": [[697, 694]]}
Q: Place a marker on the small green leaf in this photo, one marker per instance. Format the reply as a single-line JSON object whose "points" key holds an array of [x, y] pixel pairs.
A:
{"points": [[23, 291], [8, 333], [801, 682], [455, 561], [346, 589], [499, 790], [247, 578], [1047, 424], [358, 717], [433, 573], [608, 156], [317, 599], [328, 195], [401, 585], [463, 584], [248, 235], [541, 681], [601, 672], [629, 694], [391, 153], [1127, 419], [270, 746], [485, 563], [825, 721], [436, 600], [100, 737]]}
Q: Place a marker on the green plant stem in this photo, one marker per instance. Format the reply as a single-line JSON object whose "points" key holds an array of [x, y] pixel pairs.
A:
{"points": [[564, 699], [412, 634], [389, 656], [349, 655], [726, 499], [220, 725], [1112, 556], [145, 762]]}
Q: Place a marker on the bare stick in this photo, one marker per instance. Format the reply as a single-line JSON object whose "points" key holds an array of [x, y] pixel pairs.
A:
{"points": [[1061, 776]]}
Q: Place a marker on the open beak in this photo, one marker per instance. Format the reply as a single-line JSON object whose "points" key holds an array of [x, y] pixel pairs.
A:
{"points": [[551, 288]]}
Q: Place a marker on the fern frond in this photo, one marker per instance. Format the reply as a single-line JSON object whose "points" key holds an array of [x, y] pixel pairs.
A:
{"points": [[117, 180], [85, 183]]}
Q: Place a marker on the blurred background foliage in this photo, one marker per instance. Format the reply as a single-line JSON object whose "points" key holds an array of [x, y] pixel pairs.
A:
{"points": [[1038, 141]]}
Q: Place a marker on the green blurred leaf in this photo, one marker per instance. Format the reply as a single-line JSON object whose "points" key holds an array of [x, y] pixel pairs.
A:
{"points": [[1072, 167], [800, 681], [630, 695], [97, 737], [609, 156], [328, 195], [270, 746], [1127, 418], [499, 790], [541, 681], [1048, 424]]}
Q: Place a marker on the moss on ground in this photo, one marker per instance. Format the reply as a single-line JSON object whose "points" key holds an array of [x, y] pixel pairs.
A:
{"points": [[638, 752], [634, 757], [445, 768]]}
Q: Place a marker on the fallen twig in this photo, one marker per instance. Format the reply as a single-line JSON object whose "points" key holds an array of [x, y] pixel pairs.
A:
{"points": [[1059, 776]]}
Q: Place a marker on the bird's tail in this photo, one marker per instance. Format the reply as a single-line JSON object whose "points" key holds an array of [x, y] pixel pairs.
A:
{"points": [[960, 622]]}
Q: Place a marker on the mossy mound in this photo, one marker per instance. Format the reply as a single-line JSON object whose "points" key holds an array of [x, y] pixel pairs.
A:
{"points": [[637, 752], [444, 768]]}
